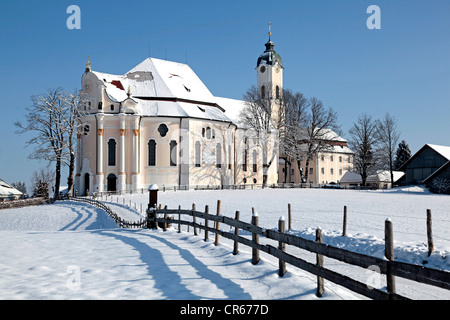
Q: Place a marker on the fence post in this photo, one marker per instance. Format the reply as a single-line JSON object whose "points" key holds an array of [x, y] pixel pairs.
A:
{"points": [[236, 233], [179, 219], [289, 217], [389, 253], [319, 259], [344, 227], [429, 233], [216, 242], [255, 238], [193, 219], [206, 223], [165, 218], [281, 246], [152, 194]]}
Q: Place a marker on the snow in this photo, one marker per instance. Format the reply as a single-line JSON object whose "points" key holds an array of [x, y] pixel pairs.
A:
{"points": [[442, 150], [71, 250]]}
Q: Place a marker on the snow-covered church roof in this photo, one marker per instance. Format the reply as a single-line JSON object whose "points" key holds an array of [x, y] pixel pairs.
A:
{"points": [[166, 88]]}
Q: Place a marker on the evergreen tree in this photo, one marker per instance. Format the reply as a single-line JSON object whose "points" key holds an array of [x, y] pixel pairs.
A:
{"points": [[41, 190], [402, 155]]}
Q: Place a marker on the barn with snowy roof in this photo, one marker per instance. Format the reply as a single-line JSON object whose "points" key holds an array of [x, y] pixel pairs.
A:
{"points": [[425, 164]]}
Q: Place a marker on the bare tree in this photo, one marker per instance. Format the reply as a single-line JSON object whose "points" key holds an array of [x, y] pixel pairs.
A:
{"points": [[44, 120], [387, 136], [257, 116], [320, 129], [295, 107], [69, 123], [363, 141]]}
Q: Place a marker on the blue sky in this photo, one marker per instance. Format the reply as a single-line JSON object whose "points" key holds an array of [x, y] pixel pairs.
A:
{"points": [[327, 50]]}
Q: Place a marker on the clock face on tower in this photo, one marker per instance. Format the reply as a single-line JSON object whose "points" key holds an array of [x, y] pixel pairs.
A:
{"points": [[262, 69]]}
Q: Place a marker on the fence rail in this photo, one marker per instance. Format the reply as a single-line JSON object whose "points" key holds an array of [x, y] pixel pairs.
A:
{"points": [[389, 267]]}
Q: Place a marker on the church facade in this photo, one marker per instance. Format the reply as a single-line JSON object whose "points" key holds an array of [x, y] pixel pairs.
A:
{"points": [[159, 124]]}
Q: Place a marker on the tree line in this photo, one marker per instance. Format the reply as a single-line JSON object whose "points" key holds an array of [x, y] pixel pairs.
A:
{"points": [[306, 127]]}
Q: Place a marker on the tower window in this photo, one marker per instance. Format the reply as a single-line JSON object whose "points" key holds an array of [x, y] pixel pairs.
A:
{"points": [[277, 92], [263, 92], [100, 105]]}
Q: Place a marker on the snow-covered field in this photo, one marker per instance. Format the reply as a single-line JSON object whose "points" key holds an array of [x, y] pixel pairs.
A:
{"points": [[70, 250]]}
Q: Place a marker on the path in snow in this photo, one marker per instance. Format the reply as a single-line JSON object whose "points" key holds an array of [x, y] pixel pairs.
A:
{"points": [[73, 251]]}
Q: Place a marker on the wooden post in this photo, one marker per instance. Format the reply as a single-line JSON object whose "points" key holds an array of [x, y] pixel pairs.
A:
{"points": [[255, 238], [319, 259], [236, 233], [179, 220], [282, 247], [429, 234], [216, 242], [289, 217], [165, 217], [193, 219], [344, 227], [389, 253], [206, 223]]}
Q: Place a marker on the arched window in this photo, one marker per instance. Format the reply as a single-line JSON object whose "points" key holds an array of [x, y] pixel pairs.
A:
{"points": [[263, 92], [152, 153], [218, 156], [208, 133], [197, 154], [277, 92], [111, 152], [173, 153], [255, 163]]}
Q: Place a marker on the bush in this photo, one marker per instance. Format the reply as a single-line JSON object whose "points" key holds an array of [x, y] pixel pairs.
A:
{"points": [[440, 185], [41, 190]]}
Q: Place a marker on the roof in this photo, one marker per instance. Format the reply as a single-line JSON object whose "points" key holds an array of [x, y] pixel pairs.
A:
{"points": [[166, 88], [436, 173], [444, 151], [7, 190], [270, 56], [380, 176]]}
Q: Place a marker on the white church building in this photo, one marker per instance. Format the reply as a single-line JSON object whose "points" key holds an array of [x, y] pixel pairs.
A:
{"points": [[159, 124]]}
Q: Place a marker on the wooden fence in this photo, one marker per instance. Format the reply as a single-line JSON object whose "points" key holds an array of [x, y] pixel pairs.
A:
{"points": [[389, 267], [122, 223]]}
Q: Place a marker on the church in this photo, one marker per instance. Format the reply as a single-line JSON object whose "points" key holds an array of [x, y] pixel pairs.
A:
{"points": [[159, 124]]}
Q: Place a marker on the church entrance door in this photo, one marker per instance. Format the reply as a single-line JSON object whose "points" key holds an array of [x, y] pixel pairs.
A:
{"points": [[86, 184], [112, 182]]}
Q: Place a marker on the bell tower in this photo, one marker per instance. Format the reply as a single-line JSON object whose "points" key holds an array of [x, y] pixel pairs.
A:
{"points": [[269, 69]]}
